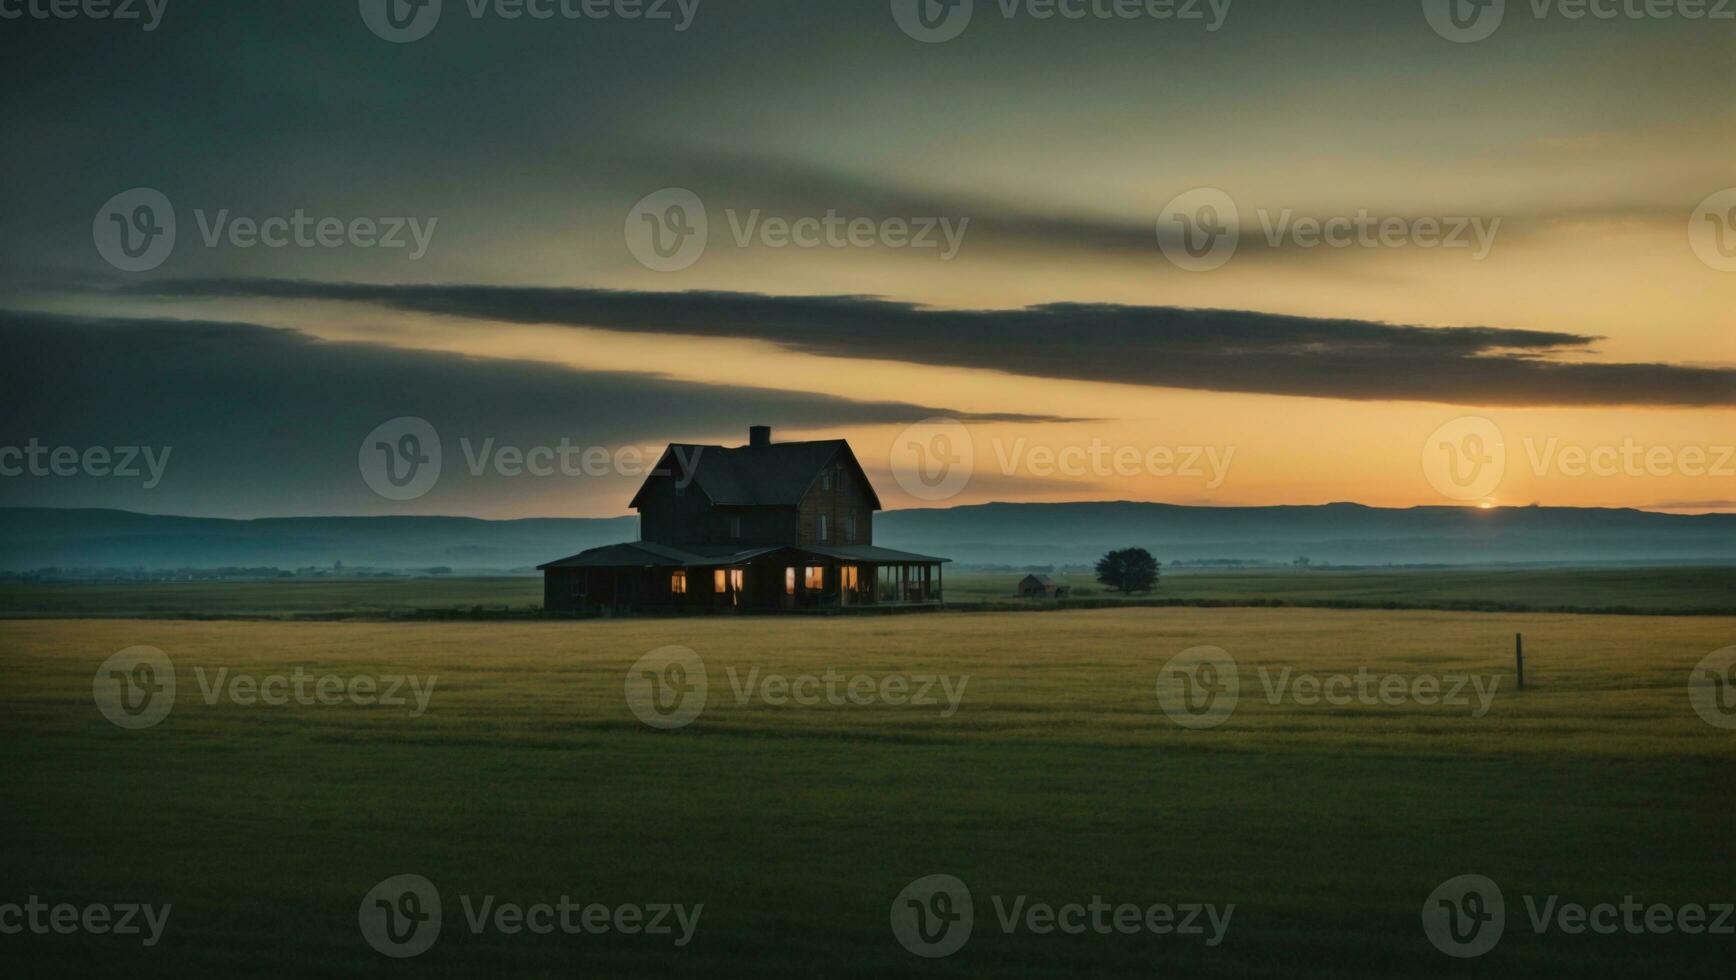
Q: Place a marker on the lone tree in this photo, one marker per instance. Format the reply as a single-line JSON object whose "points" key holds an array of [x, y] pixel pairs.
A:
{"points": [[1128, 570]]}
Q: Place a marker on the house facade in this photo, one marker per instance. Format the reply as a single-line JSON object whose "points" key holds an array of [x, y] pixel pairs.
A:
{"points": [[766, 526], [1041, 587]]}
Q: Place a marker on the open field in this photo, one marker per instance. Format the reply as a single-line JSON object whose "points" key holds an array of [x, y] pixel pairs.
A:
{"points": [[1059, 777], [1663, 590]]}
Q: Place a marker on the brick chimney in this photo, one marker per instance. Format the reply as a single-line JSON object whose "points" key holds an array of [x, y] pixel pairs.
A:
{"points": [[759, 435]]}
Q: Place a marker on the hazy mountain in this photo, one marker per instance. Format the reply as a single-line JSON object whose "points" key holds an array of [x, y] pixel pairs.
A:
{"points": [[32, 538], [1337, 533]]}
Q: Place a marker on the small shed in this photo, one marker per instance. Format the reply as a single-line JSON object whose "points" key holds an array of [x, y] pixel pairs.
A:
{"points": [[1040, 587]]}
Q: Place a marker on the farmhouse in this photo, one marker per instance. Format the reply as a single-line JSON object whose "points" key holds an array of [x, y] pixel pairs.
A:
{"points": [[1041, 587], [765, 526]]}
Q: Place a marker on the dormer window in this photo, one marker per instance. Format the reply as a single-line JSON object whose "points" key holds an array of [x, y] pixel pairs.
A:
{"points": [[823, 532]]}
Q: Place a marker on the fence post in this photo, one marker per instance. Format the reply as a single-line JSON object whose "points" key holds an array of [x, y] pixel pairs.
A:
{"points": [[1519, 657]]}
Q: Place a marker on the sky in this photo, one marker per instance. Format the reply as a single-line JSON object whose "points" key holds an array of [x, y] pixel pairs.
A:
{"points": [[1397, 252]]}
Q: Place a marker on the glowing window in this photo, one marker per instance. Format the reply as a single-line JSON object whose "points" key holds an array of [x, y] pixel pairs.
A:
{"points": [[789, 581], [678, 581], [816, 577]]}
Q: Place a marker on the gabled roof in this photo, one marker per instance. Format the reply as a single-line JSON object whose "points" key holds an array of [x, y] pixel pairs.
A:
{"points": [[645, 553], [775, 475]]}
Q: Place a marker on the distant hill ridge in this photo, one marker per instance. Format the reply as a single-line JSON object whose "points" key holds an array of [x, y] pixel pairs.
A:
{"points": [[1001, 533]]}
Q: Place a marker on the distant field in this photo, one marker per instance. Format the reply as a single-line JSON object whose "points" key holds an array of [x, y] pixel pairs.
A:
{"points": [[1670, 590], [1058, 778]]}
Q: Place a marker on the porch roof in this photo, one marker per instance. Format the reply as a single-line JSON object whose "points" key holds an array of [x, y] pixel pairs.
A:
{"points": [[644, 554]]}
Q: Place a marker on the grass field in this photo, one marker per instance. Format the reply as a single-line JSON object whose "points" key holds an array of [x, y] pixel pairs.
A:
{"points": [[1058, 778], [1668, 590]]}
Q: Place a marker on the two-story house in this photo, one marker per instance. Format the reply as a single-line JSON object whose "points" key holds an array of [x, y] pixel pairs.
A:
{"points": [[767, 526]]}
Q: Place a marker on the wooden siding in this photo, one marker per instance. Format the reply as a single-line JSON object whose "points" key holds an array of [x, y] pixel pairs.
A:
{"points": [[847, 497]]}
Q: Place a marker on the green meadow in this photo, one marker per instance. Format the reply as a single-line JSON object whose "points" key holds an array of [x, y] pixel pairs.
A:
{"points": [[1682, 590], [1045, 770]]}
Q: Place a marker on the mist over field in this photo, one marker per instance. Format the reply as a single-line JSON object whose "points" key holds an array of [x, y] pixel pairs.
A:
{"points": [[990, 534]]}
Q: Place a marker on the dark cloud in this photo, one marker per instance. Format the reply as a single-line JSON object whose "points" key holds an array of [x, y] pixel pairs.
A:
{"points": [[1213, 350], [262, 420]]}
